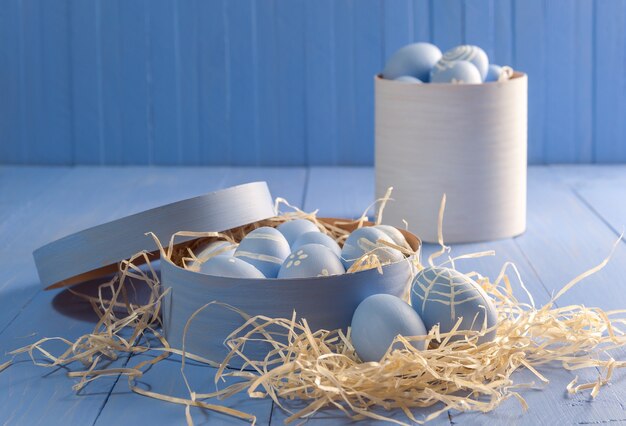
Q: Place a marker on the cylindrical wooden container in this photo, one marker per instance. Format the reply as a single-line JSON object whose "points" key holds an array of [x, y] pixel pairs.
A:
{"points": [[467, 141], [325, 302]]}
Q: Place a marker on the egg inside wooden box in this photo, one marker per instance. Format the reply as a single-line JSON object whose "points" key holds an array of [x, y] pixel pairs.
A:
{"points": [[326, 302]]}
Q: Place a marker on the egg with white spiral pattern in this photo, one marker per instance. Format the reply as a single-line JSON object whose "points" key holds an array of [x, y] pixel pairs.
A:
{"points": [[470, 53]]}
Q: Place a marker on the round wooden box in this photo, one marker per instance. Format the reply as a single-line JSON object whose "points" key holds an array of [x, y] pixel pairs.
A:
{"points": [[326, 302], [467, 141]]}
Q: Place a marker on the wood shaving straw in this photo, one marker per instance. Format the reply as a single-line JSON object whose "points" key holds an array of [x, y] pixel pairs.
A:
{"points": [[321, 368]]}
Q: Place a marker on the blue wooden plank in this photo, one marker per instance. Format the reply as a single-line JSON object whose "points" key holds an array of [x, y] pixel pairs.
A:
{"points": [[31, 82], [289, 39], [243, 80], [112, 76], [503, 48], [610, 98], [213, 83], [10, 64], [56, 144], [134, 145], [447, 23], [530, 53], [321, 104], [422, 30], [569, 41], [344, 88], [165, 83], [85, 39], [398, 24], [368, 62], [479, 24]]}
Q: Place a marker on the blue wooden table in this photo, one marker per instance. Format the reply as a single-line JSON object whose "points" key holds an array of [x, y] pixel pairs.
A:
{"points": [[575, 213]]}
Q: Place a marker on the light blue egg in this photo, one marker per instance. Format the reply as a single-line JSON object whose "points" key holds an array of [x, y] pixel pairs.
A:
{"points": [[414, 60], [394, 233], [311, 260], [470, 53], [359, 242], [378, 320], [493, 73], [408, 79], [265, 248], [292, 229], [442, 295], [216, 248], [225, 266], [317, 238], [460, 72]]}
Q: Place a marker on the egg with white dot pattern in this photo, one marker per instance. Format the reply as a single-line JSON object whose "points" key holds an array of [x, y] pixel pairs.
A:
{"points": [[443, 295], [311, 260], [457, 72], [467, 52], [378, 320], [227, 266], [292, 229], [264, 248], [361, 241], [317, 238]]}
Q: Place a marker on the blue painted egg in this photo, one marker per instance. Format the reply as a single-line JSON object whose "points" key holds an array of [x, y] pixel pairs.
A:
{"points": [[414, 60], [226, 266], [378, 320], [408, 79], [460, 72], [442, 295], [470, 53], [359, 242], [294, 228], [394, 233], [265, 248], [317, 238], [216, 248], [311, 260], [493, 73]]}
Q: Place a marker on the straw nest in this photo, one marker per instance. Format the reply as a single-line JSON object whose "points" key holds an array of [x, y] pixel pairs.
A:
{"points": [[321, 368]]}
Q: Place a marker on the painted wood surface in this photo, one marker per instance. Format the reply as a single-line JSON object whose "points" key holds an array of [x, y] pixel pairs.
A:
{"points": [[575, 214], [278, 82]]}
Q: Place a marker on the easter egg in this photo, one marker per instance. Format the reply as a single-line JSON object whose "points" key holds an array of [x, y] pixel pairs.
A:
{"points": [[470, 53], [442, 296], [292, 229], [359, 242], [493, 73], [226, 266], [311, 260], [378, 320], [317, 238], [394, 233], [414, 60], [265, 248], [408, 79], [216, 248], [460, 72]]}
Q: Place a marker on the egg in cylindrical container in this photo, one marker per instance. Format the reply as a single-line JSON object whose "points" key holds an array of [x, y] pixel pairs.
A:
{"points": [[408, 79], [361, 241], [413, 60], [467, 52], [378, 320], [458, 72], [317, 238], [311, 260], [228, 266], [443, 295], [292, 229], [264, 248], [396, 236]]}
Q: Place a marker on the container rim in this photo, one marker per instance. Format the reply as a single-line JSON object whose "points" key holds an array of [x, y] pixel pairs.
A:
{"points": [[517, 75]]}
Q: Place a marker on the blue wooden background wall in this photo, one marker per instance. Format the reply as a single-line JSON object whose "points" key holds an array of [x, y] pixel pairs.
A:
{"points": [[284, 82]]}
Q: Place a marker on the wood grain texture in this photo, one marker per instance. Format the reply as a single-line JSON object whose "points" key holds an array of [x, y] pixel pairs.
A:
{"points": [[284, 83]]}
